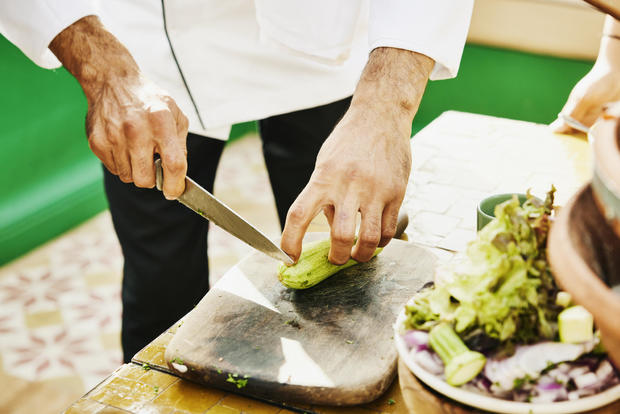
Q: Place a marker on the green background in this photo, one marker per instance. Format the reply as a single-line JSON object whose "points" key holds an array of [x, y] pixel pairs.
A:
{"points": [[51, 182]]}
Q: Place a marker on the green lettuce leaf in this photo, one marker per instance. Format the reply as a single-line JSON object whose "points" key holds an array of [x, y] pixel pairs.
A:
{"points": [[501, 285]]}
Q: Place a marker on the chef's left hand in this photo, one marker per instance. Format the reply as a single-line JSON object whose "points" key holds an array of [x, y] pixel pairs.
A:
{"points": [[364, 164]]}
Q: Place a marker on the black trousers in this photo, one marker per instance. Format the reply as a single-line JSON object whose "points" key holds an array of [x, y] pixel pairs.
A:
{"points": [[165, 244]]}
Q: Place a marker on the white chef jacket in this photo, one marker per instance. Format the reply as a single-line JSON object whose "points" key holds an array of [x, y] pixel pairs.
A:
{"points": [[229, 61]]}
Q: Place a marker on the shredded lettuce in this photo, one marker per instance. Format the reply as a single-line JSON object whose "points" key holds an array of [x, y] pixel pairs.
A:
{"points": [[501, 285]]}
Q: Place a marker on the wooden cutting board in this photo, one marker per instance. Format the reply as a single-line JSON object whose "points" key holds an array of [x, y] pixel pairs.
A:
{"points": [[331, 344]]}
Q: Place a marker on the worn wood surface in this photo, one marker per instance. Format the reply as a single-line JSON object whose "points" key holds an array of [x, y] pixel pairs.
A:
{"points": [[330, 344]]}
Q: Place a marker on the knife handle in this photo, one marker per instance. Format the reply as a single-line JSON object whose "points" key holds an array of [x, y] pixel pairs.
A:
{"points": [[403, 222], [159, 175]]}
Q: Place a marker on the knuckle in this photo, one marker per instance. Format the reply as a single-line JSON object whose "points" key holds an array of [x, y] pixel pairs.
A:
{"points": [[342, 237], [143, 183], [160, 117], [370, 239], [388, 232], [357, 172], [174, 164], [296, 213], [124, 177], [131, 128], [95, 146]]}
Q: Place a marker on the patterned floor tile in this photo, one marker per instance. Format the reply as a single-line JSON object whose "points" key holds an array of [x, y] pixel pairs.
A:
{"points": [[60, 313]]}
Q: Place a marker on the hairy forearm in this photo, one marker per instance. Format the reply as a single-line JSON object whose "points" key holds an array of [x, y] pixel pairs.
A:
{"points": [[93, 55], [129, 118], [393, 83]]}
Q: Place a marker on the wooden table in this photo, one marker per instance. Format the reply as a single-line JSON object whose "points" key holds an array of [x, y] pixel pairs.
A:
{"points": [[457, 160]]}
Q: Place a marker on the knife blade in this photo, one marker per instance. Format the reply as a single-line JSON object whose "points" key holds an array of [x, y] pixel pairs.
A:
{"points": [[207, 205]]}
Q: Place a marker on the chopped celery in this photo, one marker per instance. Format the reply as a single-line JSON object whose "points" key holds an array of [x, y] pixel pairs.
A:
{"points": [[462, 364]]}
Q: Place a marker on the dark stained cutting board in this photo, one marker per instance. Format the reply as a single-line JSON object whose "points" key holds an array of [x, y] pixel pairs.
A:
{"points": [[331, 344]]}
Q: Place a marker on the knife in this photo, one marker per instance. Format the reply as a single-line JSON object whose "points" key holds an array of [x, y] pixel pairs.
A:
{"points": [[204, 203]]}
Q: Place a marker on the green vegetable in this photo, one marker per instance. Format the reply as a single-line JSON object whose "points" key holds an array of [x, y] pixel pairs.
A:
{"points": [[240, 383], [391, 401], [146, 366], [461, 364], [563, 299], [576, 325], [313, 266], [501, 285]]}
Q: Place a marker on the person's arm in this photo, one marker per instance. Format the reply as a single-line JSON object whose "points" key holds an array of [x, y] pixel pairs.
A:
{"points": [[600, 86], [364, 165], [129, 118]]}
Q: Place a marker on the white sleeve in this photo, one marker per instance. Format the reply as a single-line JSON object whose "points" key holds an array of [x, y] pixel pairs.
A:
{"points": [[435, 28], [32, 24]]}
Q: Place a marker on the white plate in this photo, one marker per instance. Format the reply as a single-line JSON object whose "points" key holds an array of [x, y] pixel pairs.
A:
{"points": [[494, 404]]}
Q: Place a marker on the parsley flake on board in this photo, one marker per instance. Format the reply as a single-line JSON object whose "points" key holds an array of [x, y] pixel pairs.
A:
{"points": [[240, 383]]}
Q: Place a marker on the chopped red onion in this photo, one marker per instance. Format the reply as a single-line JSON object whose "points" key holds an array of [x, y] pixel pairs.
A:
{"points": [[416, 339], [586, 380], [548, 385], [429, 361], [578, 371], [605, 370]]}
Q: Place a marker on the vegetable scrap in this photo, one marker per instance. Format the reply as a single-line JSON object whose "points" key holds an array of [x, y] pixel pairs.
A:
{"points": [[239, 382], [294, 323]]}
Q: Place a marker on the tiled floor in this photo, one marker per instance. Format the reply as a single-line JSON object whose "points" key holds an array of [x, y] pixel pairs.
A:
{"points": [[60, 313]]}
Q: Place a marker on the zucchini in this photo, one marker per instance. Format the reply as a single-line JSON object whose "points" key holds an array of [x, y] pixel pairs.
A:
{"points": [[312, 267], [461, 364]]}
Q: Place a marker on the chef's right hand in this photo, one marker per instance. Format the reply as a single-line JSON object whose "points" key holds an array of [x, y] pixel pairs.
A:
{"points": [[129, 118]]}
